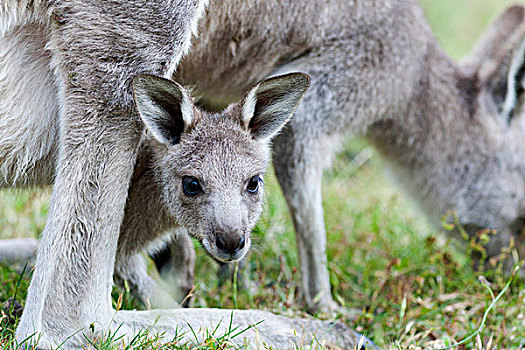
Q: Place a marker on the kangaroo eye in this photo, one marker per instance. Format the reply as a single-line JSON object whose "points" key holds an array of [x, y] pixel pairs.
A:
{"points": [[253, 184], [191, 186]]}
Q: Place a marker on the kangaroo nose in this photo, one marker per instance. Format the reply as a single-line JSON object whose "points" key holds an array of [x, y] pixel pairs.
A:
{"points": [[232, 244]]}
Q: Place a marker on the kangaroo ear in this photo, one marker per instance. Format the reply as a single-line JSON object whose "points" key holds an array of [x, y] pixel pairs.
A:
{"points": [[499, 60], [496, 38], [515, 81], [270, 104], [165, 107]]}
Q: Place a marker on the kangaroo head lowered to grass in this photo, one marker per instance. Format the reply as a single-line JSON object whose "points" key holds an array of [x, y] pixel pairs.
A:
{"points": [[451, 133]]}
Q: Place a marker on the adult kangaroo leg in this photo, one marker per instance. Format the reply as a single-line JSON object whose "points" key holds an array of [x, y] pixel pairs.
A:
{"points": [[299, 170], [301, 152], [354, 83], [98, 47]]}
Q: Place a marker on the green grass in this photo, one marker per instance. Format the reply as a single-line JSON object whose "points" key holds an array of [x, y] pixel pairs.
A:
{"points": [[416, 287], [457, 24]]}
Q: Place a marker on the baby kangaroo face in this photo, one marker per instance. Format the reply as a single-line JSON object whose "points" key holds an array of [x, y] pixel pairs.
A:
{"points": [[211, 166]]}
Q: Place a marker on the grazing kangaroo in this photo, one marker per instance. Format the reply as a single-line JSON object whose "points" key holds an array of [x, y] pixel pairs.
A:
{"points": [[68, 117], [453, 134]]}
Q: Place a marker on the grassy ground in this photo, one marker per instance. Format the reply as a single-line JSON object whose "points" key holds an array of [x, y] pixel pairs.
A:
{"points": [[416, 287]]}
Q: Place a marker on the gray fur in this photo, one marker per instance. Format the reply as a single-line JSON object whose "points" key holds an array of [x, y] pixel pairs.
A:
{"points": [[87, 52], [17, 250], [222, 150], [68, 112], [451, 134], [275, 332], [376, 70], [66, 105], [219, 150]]}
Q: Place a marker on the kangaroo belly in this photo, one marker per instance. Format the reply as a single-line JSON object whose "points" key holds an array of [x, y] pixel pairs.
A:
{"points": [[28, 108], [241, 42]]}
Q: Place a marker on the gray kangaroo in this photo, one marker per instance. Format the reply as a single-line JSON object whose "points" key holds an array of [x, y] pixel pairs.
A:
{"points": [[68, 117], [195, 170], [376, 70], [452, 134], [200, 171]]}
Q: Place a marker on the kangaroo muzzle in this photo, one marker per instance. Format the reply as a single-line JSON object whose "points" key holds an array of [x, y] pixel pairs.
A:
{"points": [[230, 246]]}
